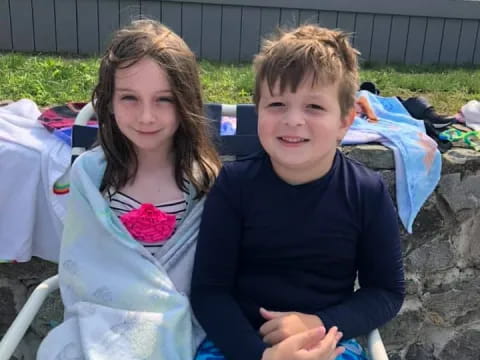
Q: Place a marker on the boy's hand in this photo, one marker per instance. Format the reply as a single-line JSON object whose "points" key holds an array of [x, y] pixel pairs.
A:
{"points": [[308, 345], [281, 325]]}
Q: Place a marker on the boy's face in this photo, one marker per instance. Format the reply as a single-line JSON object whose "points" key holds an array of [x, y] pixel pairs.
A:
{"points": [[300, 131]]}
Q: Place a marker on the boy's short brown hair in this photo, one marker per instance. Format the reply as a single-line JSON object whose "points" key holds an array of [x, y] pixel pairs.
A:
{"points": [[290, 56]]}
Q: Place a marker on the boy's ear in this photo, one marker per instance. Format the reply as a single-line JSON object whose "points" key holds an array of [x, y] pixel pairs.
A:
{"points": [[348, 119]]}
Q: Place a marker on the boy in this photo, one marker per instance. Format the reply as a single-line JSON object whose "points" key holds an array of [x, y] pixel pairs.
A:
{"points": [[284, 233]]}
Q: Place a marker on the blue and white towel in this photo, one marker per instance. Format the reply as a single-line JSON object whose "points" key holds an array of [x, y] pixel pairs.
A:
{"points": [[418, 162], [120, 301]]}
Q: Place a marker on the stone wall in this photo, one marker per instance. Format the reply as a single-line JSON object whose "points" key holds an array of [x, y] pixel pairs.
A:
{"points": [[441, 316]]}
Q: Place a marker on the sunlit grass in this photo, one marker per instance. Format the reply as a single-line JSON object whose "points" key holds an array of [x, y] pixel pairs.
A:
{"points": [[50, 80]]}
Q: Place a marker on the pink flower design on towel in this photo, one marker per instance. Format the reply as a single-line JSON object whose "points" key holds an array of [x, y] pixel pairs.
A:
{"points": [[149, 224]]}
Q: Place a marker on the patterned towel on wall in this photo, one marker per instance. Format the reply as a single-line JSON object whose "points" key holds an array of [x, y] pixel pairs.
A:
{"points": [[418, 162]]}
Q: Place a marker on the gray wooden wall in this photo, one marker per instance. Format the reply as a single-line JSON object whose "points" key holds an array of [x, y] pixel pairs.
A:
{"points": [[385, 31]]}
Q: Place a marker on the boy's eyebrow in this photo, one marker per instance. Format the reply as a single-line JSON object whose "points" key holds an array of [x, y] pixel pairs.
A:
{"points": [[315, 95]]}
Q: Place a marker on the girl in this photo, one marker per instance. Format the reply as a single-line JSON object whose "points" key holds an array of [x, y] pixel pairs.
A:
{"points": [[152, 129], [130, 233]]}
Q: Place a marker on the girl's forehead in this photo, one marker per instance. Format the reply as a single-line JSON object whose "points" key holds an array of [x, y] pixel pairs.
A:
{"points": [[144, 73], [143, 65]]}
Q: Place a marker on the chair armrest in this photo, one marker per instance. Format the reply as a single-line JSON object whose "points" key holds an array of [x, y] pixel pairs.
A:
{"points": [[17, 330], [376, 349]]}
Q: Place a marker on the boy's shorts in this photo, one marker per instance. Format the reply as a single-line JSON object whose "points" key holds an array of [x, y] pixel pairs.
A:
{"points": [[353, 351]]}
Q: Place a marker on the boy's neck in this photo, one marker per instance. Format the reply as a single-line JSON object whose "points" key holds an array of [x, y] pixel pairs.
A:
{"points": [[298, 176]]}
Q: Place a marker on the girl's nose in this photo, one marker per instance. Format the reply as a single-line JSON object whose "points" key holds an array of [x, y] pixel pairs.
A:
{"points": [[147, 114]]}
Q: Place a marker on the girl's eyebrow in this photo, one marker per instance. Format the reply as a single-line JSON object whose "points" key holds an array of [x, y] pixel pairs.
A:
{"points": [[166, 91]]}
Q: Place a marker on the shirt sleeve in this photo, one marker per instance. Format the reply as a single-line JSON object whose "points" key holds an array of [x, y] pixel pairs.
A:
{"points": [[214, 273], [380, 272]]}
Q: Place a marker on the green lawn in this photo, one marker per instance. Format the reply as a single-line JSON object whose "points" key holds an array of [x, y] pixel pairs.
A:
{"points": [[52, 80]]}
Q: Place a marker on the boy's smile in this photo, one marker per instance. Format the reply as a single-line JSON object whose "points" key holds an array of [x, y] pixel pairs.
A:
{"points": [[301, 130], [292, 140]]}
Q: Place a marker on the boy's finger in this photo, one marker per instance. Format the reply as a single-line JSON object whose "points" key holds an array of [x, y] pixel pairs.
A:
{"points": [[268, 327], [269, 315], [274, 337]]}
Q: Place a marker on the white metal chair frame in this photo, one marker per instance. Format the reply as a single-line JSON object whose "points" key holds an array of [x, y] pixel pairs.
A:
{"points": [[18, 328]]}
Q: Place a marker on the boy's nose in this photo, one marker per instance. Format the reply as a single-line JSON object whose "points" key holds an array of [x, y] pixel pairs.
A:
{"points": [[293, 117]]}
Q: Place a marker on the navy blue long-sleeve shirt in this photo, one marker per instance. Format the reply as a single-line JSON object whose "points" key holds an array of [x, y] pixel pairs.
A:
{"points": [[266, 243]]}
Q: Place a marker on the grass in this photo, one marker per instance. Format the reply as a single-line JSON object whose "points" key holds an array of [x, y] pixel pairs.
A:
{"points": [[447, 88], [47, 80], [50, 80]]}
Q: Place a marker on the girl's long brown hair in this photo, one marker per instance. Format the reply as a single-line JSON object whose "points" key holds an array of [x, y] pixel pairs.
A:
{"points": [[195, 156]]}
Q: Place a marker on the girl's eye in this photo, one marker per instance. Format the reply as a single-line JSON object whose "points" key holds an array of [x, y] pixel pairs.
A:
{"points": [[128, 98], [315, 107], [167, 99]]}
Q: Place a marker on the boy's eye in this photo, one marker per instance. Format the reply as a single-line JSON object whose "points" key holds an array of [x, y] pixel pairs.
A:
{"points": [[276, 104]]}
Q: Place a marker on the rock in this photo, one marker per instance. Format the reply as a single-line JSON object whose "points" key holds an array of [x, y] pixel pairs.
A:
{"points": [[51, 315], [27, 349], [463, 240], [389, 179], [460, 160], [413, 285], [441, 281], [403, 329], [444, 308], [420, 352], [465, 346], [374, 156], [460, 192], [434, 256], [393, 355], [7, 306], [429, 223], [36, 269]]}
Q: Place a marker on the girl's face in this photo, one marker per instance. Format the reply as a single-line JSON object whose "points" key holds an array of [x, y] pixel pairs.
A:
{"points": [[144, 107]]}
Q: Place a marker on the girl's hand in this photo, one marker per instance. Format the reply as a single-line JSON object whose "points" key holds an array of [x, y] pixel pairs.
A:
{"points": [[308, 345], [281, 325]]}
